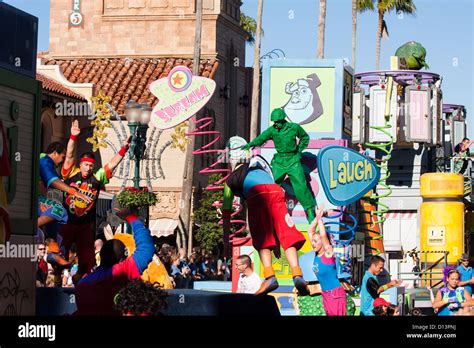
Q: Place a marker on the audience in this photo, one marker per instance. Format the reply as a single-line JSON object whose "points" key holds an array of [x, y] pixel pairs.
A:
{"points": [[42, 266], [183, 271], [383, 308], [249, 281]]}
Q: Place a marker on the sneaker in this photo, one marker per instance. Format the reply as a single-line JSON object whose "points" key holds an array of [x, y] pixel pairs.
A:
{"points": [[301, 286], [267, 286]]}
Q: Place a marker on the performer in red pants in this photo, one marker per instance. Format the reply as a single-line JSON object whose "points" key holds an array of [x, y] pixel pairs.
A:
{"points": [[270, 223]]}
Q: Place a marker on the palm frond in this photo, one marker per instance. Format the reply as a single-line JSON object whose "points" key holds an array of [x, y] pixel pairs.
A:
{"points": [[405, 6], [249, 25], [384, 32], [365, 5]]}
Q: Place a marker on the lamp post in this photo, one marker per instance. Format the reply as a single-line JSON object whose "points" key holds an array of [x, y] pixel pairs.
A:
{"points": [[138, 117]]}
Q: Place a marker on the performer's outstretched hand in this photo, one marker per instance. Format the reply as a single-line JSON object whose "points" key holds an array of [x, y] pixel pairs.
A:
{"points": [[127, 142], [82, 196], [321, 212], [75, 130], [314, 223]]}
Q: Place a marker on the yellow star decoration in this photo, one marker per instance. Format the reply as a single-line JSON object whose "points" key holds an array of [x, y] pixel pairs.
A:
{"points": [[179, 138], [101, 121]]}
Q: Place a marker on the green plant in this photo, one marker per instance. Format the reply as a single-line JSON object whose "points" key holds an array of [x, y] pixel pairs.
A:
{"points": [[136, 198], [209, 233], [384, 7], [249, 25]]}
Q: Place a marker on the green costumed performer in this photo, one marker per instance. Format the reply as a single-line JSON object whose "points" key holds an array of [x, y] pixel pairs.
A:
{"points": [[287, 160]]}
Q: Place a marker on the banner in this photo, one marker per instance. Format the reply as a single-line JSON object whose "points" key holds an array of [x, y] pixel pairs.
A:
{"points": [[345, 174], [181, 95]]}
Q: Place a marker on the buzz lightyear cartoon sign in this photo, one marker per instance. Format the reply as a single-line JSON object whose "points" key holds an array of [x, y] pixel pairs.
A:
{"points": [[314, 93], [304, 105]]}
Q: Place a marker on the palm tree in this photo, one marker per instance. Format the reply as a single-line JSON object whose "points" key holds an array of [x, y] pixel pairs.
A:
{"points": [[256, 74], [186, 195], [354, 30], [249, 25], [386, 6], [321, 28], [383, 7], [358, 6]]}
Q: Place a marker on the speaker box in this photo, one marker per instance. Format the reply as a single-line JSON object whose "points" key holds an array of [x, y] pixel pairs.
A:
{"points": [[18, 46]]}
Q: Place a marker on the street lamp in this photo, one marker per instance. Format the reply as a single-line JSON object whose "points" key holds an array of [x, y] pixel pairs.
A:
{"points": [[138, 117]]}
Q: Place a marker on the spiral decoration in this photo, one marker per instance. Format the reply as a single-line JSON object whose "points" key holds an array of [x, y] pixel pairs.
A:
{"points": [[200, 129], [370, 226], [348, 223]]}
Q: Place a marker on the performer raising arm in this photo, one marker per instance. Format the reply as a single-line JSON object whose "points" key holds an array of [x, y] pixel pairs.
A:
{"points": [[333, 293]]}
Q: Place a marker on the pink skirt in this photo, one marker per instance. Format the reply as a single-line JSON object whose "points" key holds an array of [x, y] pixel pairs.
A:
{"points": [[335, 301]]}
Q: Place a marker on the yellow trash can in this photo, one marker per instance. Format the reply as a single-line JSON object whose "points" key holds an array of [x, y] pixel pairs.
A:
{"points": [[442, 215]]}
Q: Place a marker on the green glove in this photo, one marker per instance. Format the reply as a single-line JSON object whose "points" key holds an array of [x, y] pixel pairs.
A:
{"points": [[246, 147]]}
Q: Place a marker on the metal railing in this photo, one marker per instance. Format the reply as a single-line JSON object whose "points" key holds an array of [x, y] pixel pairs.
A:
{"points": [[426, 273]]}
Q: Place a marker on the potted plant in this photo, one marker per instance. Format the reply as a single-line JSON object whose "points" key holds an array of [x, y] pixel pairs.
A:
{"points": [[135, 199]]}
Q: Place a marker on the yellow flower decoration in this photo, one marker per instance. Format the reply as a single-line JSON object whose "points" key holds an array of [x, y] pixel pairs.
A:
{"points": [[179, 138], [101, 121]]}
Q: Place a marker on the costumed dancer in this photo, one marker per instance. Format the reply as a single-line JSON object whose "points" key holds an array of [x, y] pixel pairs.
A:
{"points": [[82, 213], [156, 271], [371, 289], [95, 292], [51, 213], [333, 293], [453, 299], [287, 160], [269, 221]]}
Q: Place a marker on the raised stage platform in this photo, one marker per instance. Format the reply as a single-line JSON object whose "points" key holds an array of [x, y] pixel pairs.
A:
{"points": [[181, 302]]}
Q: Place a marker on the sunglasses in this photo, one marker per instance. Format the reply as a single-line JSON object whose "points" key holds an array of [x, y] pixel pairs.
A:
{"points": [[41, 249]]}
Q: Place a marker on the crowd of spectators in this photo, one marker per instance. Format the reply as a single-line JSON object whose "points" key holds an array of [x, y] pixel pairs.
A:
{"points": [[199, 266], [55, 270]]}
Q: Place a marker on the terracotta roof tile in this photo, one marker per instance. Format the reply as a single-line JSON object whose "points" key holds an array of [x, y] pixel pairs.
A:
{"points": [[54, 86], [125, 78]]}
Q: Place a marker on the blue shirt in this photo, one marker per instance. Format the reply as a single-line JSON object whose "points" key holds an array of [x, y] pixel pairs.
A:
{"points": [[175, 270], [255, 177], [451, 296], [326, 272], [366, 299], [466, 274], [48, 172]]}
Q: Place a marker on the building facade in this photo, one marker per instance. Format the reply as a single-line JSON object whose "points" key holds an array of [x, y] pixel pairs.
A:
{"points": [[120, 46]]}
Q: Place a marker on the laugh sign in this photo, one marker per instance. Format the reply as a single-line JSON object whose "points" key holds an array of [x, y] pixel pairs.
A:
{"points": [[181, 95], [345, 174]]}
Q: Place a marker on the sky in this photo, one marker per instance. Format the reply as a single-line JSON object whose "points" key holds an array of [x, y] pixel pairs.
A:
{"points": [[444, 27]]}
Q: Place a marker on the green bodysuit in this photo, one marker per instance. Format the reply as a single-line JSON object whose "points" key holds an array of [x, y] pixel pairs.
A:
{"points": [[287, 160]]}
